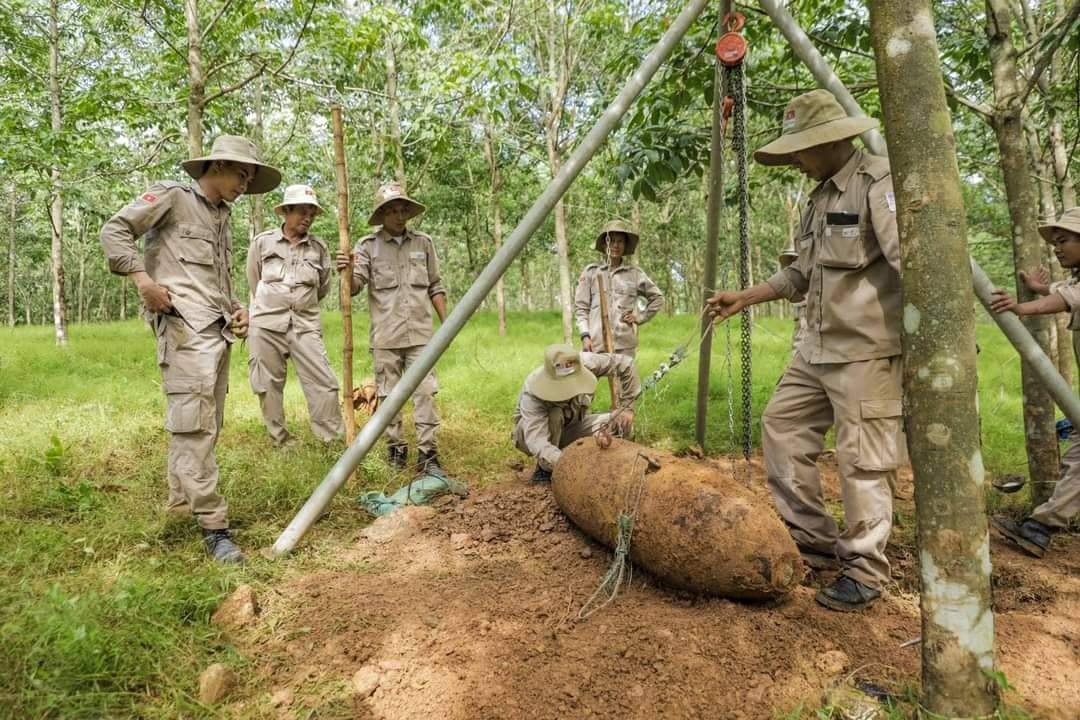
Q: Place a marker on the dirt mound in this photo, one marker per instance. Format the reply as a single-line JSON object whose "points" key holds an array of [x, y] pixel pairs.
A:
{"points": [[470, 611]]}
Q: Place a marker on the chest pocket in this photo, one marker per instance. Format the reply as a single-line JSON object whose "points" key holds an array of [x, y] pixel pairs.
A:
{"points": [[196, 244], [309, 270], [418, 273], [383, 276], [273, 266], [846, 246]]}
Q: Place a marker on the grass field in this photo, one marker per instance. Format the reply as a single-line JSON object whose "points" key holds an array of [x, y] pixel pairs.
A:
{"points": [[105, 601]]}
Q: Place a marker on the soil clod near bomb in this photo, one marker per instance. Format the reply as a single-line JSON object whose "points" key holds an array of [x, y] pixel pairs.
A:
{"points": [[694, 526]]}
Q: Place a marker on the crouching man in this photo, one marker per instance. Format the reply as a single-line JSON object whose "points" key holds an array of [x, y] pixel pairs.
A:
{"points": [[553, 407]]}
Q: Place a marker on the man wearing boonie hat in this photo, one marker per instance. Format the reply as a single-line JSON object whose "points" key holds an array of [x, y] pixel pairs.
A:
{"points": [[401, 272], [846, 371], [553, 406], [1034, 533], [186, 288], [288, 271], [798, 306], [624, 283]]}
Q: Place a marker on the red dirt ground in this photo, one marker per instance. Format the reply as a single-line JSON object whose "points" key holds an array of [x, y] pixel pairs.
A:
{"points": [[469, 611]]}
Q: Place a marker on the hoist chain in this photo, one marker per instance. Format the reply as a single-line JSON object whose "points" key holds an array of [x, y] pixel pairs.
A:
{"points": [[734, 82]]}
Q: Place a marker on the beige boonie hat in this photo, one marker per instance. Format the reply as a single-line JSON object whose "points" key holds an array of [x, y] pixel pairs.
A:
{"points": [[561, 377], [811, 119], [1069, 220], [388, 193], [298, 195], [237, 149], [617, 226], [788, 255]]}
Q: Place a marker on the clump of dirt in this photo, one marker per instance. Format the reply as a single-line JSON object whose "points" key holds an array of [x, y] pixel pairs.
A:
{"points": [[470, 611]]}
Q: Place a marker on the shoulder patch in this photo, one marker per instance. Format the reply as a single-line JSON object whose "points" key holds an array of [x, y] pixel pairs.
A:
{"points": [[319, 241], [366, 238]]}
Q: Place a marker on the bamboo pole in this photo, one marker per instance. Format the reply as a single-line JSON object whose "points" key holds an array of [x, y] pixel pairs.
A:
{"points": [[609, 342], [483, 284], [345, 280]]}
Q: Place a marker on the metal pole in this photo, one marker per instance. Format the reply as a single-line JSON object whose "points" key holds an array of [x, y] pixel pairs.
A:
{"points": [[712, 240], [535, 216], [1014, 330], [1028, 349]]}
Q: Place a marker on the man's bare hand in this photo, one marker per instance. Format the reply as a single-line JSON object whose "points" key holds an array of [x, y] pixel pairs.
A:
{"points": [[155, 298], [1002, 301], [725, 303], [624, 422], [1037, 282], [239, 323], [630, 317], [586, 343], [344, 261]]}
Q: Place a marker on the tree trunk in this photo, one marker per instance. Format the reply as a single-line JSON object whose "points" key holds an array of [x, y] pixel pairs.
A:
{"points": [[56, 207], [392, 108], [123, 297], [11, 257], [566, 302], [80, 292], [1028, 250], [526, 302], [257, 207], [939, 365], [558, 78], [196, 79], [1061, 167], [496, 218]]}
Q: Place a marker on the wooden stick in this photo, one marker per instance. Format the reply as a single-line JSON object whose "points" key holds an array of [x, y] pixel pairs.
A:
{"points": [[345, 281], [609, 343]]}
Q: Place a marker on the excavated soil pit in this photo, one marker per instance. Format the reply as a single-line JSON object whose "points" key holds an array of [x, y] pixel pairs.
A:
{"points": [[468, 611]]}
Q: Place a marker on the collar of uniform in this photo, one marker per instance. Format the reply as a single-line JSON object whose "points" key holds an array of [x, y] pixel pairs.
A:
{"points": [[625, 265], [199, 191], [383, 235], [840, 179], [281, 236]]}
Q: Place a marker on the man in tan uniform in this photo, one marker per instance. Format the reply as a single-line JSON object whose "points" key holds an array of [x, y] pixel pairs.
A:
{"points": [[1034, 534], [288, 271], [401, 272], [187, 293], [553, 406], [846, 373], [624, 283]]}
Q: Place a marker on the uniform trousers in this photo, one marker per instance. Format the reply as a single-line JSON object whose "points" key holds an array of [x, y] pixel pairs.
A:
{"points": [[1064, 503], [267, 369], [390, 365], [195, 378], [862, 401], [560, 432]]}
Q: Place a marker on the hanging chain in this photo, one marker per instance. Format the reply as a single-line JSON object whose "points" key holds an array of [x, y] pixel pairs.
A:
{"points": [[735, 78]]}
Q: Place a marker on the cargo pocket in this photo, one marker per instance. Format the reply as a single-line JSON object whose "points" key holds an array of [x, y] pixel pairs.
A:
{"points": [[308, 273], [187, 408], [843, 246], [273, 267], [383, 276], [418, 273], [197, 245], [879, 428]]}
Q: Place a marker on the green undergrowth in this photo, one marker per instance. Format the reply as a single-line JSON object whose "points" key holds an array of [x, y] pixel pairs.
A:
{"points": [[105, 600]]}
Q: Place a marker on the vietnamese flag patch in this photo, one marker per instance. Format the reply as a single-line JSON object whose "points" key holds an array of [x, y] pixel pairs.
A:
{"points": [[148, 197]]}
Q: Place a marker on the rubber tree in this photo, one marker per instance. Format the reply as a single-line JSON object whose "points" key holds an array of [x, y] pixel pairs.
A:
{"points": [[56, 184], [940, 379], [1028, 248]]}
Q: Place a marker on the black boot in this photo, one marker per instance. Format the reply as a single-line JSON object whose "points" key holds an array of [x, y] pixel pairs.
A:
{"points": [[428, 462], [540, 475], [221, 547], [1031, 535], [398, 456], [847, 595]]}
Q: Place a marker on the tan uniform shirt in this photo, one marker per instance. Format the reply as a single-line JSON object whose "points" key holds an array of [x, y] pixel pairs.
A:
{"points": [[188, 249], [625, 284], [533, 412], [287, 281], [1069, 290], [850, 274], [401, 275]]}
